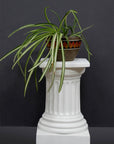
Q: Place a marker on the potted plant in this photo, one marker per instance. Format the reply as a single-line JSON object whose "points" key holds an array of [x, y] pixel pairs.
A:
{"points": [[58, 39]]}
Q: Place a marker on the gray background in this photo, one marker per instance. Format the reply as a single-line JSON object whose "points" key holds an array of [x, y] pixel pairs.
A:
{"points": [[97, 84]]}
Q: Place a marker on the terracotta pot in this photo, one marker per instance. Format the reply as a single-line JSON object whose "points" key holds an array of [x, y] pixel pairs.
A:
{"points": [[71, 50], [70, 54]]}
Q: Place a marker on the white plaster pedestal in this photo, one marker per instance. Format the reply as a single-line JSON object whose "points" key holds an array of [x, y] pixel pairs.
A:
{"points": [[62, 121]]}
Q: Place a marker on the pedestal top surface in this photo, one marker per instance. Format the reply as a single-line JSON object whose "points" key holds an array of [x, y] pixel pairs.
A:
{"points": [[76, 63]]}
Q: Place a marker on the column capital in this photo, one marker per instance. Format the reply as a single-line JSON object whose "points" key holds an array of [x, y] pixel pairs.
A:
{"points": [[76, 63]]}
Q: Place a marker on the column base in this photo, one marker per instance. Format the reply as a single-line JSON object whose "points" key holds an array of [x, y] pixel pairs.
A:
{"points": [[43, 137]]}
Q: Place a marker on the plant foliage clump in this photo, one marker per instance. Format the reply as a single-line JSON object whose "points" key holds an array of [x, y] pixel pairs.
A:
{"points": [[40, 35]]}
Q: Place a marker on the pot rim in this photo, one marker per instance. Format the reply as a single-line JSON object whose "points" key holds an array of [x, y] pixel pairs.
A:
{"points": [[72, 38], [69, 48]]}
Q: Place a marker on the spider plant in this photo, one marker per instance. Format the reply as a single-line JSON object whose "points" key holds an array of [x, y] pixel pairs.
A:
{"points": [[40, 35]]}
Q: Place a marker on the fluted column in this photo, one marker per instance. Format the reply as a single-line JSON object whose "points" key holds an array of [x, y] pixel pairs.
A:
{"points": [[62, 110]]}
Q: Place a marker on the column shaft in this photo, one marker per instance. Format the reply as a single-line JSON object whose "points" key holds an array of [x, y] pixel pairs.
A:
{"points": [[62, 111]]}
